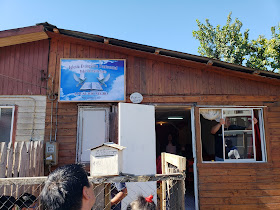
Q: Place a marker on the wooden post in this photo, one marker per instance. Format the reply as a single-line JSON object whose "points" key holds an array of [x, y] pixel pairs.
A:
{"points": [[3, 163], [176, 192], [107, 197], [163, 169]]}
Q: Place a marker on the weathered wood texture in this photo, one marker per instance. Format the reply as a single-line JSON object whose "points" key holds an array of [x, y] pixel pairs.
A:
{"points": [[23, 159], [31, 111], [157, 76], [245, 185], [20, 68], [174, 191], [162, 79]]}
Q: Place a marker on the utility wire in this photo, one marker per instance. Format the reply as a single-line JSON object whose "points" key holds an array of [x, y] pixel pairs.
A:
{"points": [[19, 80]]}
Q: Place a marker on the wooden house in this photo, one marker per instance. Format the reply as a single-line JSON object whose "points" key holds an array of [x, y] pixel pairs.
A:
{"points": [[186, 91]]}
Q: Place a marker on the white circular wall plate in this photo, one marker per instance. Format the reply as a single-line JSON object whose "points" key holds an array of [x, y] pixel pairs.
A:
{"points": [[136, 98]]}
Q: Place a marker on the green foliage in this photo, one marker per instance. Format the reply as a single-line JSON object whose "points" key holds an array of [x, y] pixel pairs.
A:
{"points": [[229, 44]]}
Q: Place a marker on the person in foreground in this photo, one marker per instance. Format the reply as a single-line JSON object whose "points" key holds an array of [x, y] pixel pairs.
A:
{"points": [[142, 204], [68, 188], [118, 193]]}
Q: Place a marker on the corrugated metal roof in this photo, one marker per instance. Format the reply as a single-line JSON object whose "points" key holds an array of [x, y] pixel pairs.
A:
{"points": [[170, 53]]}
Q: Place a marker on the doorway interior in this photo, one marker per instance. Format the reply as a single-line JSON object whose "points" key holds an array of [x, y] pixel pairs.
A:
{"points": [[174, 135]]}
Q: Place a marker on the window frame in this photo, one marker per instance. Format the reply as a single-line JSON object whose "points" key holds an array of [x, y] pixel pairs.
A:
{"points": [[261, 128], [12, 120]]}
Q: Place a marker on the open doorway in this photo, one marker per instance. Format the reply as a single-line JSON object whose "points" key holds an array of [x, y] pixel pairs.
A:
{"points": [[174, 135]]}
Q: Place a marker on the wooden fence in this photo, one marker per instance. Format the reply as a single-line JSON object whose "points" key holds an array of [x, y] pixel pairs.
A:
{"points": [[172, 191], [23, 159], [102, 187]]}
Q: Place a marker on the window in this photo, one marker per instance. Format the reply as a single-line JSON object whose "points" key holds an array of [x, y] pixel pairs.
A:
{"points": [[232, 134], [6, 123]]}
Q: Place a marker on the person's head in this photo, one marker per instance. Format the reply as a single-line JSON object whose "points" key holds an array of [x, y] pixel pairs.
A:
{"points": [[68, 188], [142, 204], [229, 143], [227, 122], [169, 138]]}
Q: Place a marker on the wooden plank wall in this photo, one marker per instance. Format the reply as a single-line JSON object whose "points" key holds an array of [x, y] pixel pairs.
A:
{"points": [[23, 159], [31, 112], [245, 185], [20, 68], [161, 79]]}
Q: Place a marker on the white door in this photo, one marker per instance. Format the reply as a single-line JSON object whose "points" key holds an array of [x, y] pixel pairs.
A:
{"points": [[137, 134], [92, 130]]}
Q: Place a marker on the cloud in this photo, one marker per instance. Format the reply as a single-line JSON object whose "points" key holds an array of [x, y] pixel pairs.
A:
{"points": [[61, 92], [117, 91]]}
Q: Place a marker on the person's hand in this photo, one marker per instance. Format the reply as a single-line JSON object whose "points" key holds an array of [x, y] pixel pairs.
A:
{"points": [[222, 121], [255, 121]]}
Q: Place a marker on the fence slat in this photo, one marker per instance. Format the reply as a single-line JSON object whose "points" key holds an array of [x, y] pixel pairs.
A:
{"points": [[22, 165], [41, 160], [3, 159], [3, 163], [9, 167], [16, 165]]}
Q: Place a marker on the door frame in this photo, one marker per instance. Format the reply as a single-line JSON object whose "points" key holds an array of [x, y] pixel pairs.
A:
{"points": [[192, 107], [80, 126]]}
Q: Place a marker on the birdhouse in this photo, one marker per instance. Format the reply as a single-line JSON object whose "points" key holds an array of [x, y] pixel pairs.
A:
{"points": [[106, 159]]}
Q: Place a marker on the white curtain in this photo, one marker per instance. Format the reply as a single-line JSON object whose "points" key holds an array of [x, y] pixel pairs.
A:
{"points": [[211, 114]]}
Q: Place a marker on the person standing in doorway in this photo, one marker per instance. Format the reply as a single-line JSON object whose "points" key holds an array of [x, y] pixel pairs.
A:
{"points": [[170, 147]]}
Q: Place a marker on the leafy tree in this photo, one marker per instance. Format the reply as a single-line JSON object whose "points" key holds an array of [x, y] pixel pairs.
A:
{"points": [[229, 44]]}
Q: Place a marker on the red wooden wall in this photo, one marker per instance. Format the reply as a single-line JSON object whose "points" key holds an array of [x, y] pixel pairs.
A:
{"points": [[162, 79], [20, 68]]}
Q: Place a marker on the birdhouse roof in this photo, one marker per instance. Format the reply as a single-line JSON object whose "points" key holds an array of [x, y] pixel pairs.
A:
{"points": [[110, 144]]}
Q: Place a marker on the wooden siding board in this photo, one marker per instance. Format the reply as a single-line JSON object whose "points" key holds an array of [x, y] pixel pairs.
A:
{"points": [[18, 67], [143, 76], [92, 52], [73, 50], [2, 68], [149, 76], [155, 75], [59, 56], [6, 67], [36, 67], [11, 82], [240, 200], [44, 66], [24, 67], [29, 69], [66, 51], [80, 51]]}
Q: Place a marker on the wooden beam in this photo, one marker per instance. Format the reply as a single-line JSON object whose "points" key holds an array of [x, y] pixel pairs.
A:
{"points": [[19, 39], [97, 179], [221, 99]]}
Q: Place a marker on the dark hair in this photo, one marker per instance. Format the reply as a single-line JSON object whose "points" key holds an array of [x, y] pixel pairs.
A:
{"points": [[64, 188], [141, 204]]}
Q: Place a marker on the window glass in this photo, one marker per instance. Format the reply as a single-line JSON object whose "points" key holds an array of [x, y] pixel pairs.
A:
{"points": [[5, 124], [238, 134], [232, 134]]}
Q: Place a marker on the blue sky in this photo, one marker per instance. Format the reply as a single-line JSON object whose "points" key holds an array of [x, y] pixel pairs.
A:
{"points": [[161, 23]]}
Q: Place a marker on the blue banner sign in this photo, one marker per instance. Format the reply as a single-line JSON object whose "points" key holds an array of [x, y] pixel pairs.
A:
{"points": [[92, 80]]}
